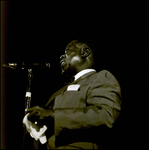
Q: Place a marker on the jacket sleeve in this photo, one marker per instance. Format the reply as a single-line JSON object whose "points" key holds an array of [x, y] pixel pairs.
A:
{"points": [[103, 105]]}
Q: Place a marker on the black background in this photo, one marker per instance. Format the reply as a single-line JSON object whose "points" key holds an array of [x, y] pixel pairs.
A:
{"points": [[38, 31]]}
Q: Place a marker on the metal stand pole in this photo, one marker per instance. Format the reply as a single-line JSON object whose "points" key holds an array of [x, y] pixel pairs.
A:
{"points": [[27, 106], [28, 91]]}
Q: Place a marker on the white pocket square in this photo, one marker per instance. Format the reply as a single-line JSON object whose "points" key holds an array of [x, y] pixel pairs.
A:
{"points": [[73, 87]]}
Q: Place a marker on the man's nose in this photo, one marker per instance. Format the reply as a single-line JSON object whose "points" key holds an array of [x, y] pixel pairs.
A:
{"points": [[62, 56]]}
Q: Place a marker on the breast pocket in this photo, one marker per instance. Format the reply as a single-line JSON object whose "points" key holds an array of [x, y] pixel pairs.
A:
{"points": [[73, 99]]}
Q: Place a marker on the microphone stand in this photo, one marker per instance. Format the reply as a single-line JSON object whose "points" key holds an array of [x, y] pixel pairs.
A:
{"points": [[27, 104], [26, 136], [28, 91]]}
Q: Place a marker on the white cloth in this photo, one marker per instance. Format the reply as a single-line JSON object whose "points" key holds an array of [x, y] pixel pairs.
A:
{"points": [[81, 73], [35, 131]]}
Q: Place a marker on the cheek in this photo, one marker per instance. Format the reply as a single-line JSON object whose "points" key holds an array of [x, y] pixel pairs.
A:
{"points": [[75, 59]]}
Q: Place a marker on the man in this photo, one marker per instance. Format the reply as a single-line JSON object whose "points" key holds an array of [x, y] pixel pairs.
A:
{"points": [[81, 114]]}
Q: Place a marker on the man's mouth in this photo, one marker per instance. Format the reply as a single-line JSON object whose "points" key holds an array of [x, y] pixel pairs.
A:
{"points": [[62, 62]]}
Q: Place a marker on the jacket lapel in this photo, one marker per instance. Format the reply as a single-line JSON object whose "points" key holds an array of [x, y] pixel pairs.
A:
{"points": [[55, 94], [65, 87]]}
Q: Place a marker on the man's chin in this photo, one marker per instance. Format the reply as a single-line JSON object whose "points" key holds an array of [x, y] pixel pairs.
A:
{"points": [[63, 72]]}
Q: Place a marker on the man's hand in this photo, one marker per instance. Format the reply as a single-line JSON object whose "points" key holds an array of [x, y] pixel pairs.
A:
{"points": [[40, 114]]}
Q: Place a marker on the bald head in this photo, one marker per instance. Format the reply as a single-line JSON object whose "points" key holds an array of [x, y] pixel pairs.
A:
{"points": [[78, 56]]}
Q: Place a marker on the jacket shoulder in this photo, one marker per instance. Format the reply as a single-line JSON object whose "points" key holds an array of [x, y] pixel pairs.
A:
{"points": [[106, 77]]}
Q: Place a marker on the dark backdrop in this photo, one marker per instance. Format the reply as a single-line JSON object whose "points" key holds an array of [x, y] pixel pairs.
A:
{"points": [[38, 31]]}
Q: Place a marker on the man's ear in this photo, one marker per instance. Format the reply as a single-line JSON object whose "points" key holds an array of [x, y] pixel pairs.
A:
{"points": [[85, 52]]}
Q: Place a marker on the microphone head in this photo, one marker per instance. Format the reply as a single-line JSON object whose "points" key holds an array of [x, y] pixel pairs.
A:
{"points": [[26, 65], [10, 65]]}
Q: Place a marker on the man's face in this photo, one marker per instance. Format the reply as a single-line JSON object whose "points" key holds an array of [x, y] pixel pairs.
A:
{"points": [[72, 58]]}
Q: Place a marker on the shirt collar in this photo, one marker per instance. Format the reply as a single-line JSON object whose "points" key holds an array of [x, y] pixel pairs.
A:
{"points": [[81, 73]]}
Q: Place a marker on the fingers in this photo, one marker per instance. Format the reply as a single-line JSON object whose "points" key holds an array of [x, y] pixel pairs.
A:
{"points": [[32, 109], [34, 113], [32, 117], [38, 114]]}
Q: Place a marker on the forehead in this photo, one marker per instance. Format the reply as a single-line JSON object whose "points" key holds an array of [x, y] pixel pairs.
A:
{"points": [[73, 44]]}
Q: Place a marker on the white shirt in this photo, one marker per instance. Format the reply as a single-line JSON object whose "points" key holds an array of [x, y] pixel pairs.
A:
{"points": [[81, 73]]}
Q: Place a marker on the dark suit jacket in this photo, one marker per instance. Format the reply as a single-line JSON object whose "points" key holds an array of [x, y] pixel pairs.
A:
{"points": [[83, 117]]}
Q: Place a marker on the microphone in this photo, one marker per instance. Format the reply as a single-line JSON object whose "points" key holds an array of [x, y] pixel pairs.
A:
{"points": [[26, 65]]}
